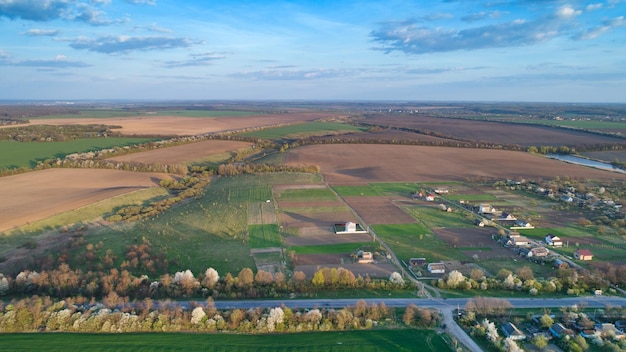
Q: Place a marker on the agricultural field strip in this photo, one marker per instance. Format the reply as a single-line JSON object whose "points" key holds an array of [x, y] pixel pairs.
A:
{"points": [[26, 154], [118, 113], [338, 248], [302, 129]]}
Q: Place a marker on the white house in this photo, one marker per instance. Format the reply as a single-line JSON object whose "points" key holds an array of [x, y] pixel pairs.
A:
{"points": [[553, 240], [436, 268], [486, 209]]}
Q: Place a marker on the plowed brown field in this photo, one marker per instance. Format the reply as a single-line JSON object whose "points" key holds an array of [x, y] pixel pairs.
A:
{"points": [[38, 195], [185, 126], [184, 153], [363, 163]]}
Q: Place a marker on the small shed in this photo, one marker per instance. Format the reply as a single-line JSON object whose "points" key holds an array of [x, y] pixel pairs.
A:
{"points": [[511, 331], [436, 268]]}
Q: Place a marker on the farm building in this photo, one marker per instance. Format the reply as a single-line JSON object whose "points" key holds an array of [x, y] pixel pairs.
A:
{"points": [[583, 254], [417, 261], [558, 330], [365, 257], [560, 264], [441, 190], [553, 240], [515, 240], [436, 268], [538, 252], [486, 209], [511, 331], [349, 227]]}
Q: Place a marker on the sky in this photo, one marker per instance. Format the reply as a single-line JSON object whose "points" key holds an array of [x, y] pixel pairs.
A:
{"points": [[399, 50]]}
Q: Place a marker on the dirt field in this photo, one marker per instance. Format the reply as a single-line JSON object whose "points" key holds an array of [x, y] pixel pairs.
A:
{"points": [[185, 126], [607, 156], [473, 238], [38, 195], [379, 210], [184, 153], [360, 163], [493, 132]]}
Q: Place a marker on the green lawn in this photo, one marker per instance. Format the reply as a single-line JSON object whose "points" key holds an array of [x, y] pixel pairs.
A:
{"points": [[348, 341], [264, 236], [401, 189], [401, 229], [311, 128], [480, 197], [26, 154]]}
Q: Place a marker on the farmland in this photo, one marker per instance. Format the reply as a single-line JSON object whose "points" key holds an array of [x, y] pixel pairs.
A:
{"points": [[301, 130], [26, 154], [348, 341]]}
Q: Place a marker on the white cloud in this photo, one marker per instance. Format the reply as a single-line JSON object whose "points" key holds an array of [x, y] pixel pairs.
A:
{"points": [[41, 32], [289, 74], [203, 59], [567, 12], [142, 2], [35, 10], [59, 61], [593, 7], [124, 44]]}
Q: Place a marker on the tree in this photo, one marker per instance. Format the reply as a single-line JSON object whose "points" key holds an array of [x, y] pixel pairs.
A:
{"points": [[396, 279], [455, 279], [546, 321], [540, 341], [525, 273], [409, 314], [245, 277], [210, 278]]}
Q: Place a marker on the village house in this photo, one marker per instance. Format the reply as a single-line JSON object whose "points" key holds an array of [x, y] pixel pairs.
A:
{"points": [[486, 209], [553, 240], [365, 257], [583, 254], [441, 190], [511, 331], [507, 217], [560, 264], [515, 240], [430, 197], [436, 268], [538, 252], [558, 330]]}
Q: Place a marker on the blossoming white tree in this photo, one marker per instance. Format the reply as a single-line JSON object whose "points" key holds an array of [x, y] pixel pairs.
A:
{"points": [[396, 278]]}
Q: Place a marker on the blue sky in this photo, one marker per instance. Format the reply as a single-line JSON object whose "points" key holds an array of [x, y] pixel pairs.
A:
{"points": [[462, 50]]}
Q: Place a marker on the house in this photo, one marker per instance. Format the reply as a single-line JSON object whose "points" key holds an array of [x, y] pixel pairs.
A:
{"points": [[349, 227], [538, 252], [479, 223], [486, 209], [436, 268], [558, 330], [522, 224], [441, 190], [511, 331], [553, 240], [417, 261], [430, 197], [583, 254], [517, 241], [560, 264], [609, 330], [507, 217], [365, 257]]}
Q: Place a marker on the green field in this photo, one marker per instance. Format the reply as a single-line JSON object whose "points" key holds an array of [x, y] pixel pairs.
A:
{"points": [[98, 114], [377, 189], [308, 195], [355, 191], [348, 341], [333, 248], [415, 240], [481, 197], [434, 217], [19, 154], [211, 231], [264, 236], [305, 129]]}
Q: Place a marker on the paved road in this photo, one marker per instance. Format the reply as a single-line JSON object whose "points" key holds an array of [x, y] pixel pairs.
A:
{"points": [[446, 306]]}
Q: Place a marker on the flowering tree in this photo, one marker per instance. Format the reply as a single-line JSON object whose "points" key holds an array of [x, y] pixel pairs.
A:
{"points": [[210, 278], [396, 278], [197, 315]]}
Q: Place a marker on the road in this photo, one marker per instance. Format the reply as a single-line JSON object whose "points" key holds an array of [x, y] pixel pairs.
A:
{"points": [[446, 306]]}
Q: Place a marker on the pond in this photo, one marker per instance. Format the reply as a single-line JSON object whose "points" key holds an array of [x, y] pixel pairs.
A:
{"points": [[582, 161]]}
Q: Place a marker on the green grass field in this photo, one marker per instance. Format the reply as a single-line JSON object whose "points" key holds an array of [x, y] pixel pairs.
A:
{"points": [[19, 154], [333, 248], [305, 129], [264, 236], [401, 189], [211, 231], [481, 197], [436, 218], [346, 341], [416, 240], [355, 191], [308, 195]]}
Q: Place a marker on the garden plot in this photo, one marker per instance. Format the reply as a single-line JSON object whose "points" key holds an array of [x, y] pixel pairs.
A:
{"points": [[379, 210], [260, 213], [382, 271], [472, 242]]}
